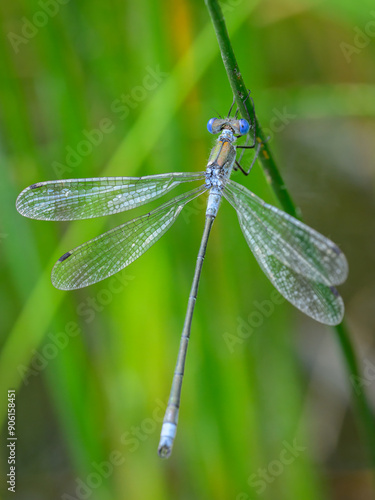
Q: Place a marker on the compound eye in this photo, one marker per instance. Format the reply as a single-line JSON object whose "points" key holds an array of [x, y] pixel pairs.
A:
{"points": [[209, 125], [244, 126]]}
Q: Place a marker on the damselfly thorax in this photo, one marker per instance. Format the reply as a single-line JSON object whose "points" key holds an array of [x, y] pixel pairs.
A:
{"points": [[222, 158]]}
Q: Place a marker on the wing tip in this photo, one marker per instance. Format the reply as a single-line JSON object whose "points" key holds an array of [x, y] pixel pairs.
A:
{"points": [[60, 277], [22, 205], [56, 281], [338, 315]]}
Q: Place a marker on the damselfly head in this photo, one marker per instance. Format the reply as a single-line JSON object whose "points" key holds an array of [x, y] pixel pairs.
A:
{"points": [[238, 127]]}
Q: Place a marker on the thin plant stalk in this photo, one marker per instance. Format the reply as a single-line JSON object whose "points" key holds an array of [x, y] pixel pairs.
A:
{"points": [[240, 91]]}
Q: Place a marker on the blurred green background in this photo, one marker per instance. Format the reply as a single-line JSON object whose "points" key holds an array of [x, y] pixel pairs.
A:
{"points": [[92, 369]]}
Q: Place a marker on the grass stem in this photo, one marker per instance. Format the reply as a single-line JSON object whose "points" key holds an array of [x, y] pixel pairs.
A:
{"points": [[240, 91]]}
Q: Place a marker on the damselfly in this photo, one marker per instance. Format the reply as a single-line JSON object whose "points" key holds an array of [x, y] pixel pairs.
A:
{"points": [[301, 263]]}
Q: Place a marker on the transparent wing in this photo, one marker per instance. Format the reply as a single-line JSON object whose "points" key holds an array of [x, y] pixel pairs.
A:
{"points": [[112, 251], [74, 199], [300, 262]]}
